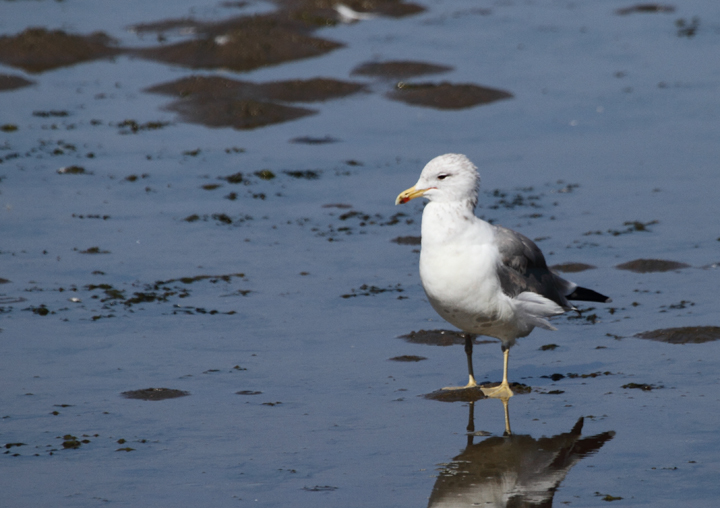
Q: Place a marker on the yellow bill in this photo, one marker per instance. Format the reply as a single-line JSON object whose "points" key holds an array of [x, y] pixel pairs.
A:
{"points": [[409, 194]]}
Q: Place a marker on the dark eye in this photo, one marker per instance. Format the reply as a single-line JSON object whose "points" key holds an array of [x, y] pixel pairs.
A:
{"points": [[442, 177]]}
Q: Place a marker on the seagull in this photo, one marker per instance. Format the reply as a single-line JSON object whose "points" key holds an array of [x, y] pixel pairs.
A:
{"points": [[484, 279]]}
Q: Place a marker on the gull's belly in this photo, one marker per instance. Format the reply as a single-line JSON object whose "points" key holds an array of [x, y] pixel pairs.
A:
{"points": [[466, 292]]}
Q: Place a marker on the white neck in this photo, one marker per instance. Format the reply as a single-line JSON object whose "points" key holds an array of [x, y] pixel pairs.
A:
{"points": [[444, 222]]}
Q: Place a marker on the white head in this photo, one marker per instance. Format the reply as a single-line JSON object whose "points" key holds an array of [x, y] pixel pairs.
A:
{"points": [[447, 178]]}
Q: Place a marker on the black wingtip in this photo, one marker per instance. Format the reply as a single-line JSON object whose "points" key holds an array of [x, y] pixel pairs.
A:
{"points": [[587, 295]]}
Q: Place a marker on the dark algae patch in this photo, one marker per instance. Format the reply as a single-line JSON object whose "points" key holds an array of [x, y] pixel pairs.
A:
{"points": [[309, 140], [439, 338], [222, 102], [107, 301], [39, 50], [446, 95], [408, 358], [366, 290], [459, 395], [71, 442], [133, 127], [407, 240], [572, 267], [651, 265], [73, 170], [9, 82], [154, 394], [573, 375], [608, 497], [11, 445], [307, 90], [307, 174], [212, 278], [94, 250], [641, 386], [400, 69], [645, 8], [296, 90], [631, 226], [683, 335], [241, 114], [241, 44], [252, 44], [320, 488], [245, 43]]}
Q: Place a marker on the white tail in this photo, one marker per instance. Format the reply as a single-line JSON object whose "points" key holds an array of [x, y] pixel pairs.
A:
{"points": [[535, 308]]}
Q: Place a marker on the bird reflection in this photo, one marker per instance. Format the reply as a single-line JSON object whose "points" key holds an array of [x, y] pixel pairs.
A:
{"points": [[511, 470]]}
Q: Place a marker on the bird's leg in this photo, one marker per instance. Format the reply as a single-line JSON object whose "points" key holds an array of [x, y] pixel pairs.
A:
{"points": [[468, 352], [503, 390]]}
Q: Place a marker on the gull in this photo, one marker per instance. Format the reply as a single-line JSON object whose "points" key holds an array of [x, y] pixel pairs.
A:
{"points": [[484, 279]]}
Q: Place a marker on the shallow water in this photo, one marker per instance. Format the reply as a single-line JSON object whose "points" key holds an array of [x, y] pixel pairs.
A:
{"points": [[606, 153]]}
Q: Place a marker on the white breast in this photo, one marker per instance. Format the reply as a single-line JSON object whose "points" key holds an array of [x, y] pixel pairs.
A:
{"points": [[458, 269]]}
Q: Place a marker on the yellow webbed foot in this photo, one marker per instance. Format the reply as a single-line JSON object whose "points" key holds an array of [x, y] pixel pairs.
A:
{"points": [[471, 384], [502, 391]]}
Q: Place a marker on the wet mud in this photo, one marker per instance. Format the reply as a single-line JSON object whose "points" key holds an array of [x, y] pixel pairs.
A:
{"points": [[9, 82], [651, 265], [400, 69], [223, 102], [296, 90], [238, 114], [440, 338], [73, 170], [572, 267], [641, 386], [473, 394], [446, 95], [155, 394], [309, 140], [646, 8], [38, 50], [683, 335], [249, 42], [407, 358], [459, 395], [248, 47], [407, 240]]}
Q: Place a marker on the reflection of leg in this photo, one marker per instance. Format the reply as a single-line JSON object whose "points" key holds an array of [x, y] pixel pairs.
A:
{"points": [[471, 418], [503, 390], [471, 423], [508, 432], [471, 374]]}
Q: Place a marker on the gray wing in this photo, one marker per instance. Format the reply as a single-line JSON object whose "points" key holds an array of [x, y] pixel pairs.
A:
{"points": [[524, 269]]}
